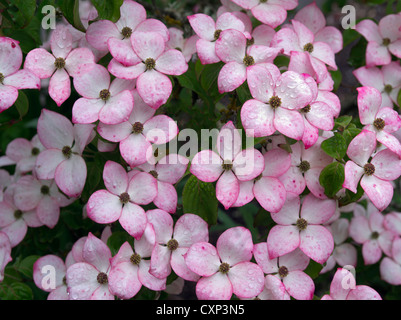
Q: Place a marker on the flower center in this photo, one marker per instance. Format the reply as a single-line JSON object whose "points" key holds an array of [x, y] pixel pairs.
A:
{"points": [[262, 1], [227, 165], [135, 259], [304, 166], [172, 244], [283, 272], [137, 127], [35, 151], [374, 235], [386, 41], [369, 169], [302, 224], [379, 124], [1, 78], [105, 94], [275, 102], [59, 63], [306, 109], [45, 190], [67, 152], [224, 268], [249, 61], [250, 42], [17, 214], [150, 63], [102, 278], [124, 198], [126, 32], [217, 34], [388, 88], [308, 47], [154, 174]]}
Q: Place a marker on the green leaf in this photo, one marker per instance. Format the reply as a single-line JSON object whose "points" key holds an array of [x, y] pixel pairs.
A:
{"points": [[199, 198], [22, 104], [243, 92], [70, 9], [24, 14], [108, 10], [350, 133], [26, 266], [332, 178], [337, 77], [351, 197], [342, 122], [335, 146], [399, 94], [313, 269], [16, 291], [117, 239]]}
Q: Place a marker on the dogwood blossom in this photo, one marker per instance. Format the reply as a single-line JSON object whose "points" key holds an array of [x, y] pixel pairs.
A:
{"points": [[63, 62], [229, 166], [384, 39], [122, 199], [226, 269], [300, 226], [284, 275], [12, 78]]}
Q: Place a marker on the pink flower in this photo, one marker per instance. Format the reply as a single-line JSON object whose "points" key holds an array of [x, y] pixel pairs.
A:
{"points": [[40, 196], [173, 241], [387, 80], [11, 78], [109, 102], [381, 121], [301, 227], [229, 166], [284, 275], [375, 239], [306, 166], [384, 39], [152, 67], [209, 32], [15, 222], [24, 153], [226, 269], [272, 12], [5, 253], [299, 38], [375, 174], [88, 280], [318, 115], [344, 253], [392, 222], [122, 198], [57, 290], [313, 18], [238, 56], [167, 171], [104, 35], [301, 63], [59, 65], [390, 267], [139, 132], [186, 46], [276, 104], [65, 144], [343, 287], [130, 269], [268, 190]]}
